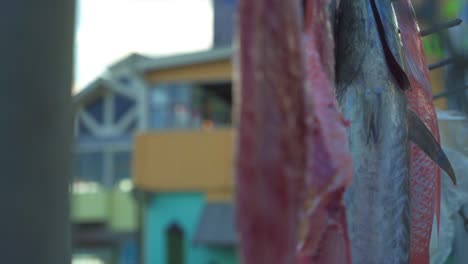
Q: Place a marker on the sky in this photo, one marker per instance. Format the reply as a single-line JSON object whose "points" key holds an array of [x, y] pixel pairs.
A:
{"points": [[108, 30]]}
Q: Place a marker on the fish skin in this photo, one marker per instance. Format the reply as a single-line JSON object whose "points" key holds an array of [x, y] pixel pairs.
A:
{"points": [[324, 238], [270, 138], [425, 185], [388, 29], [371, 97]]}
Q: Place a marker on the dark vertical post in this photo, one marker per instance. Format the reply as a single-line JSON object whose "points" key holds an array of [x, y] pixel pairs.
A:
{"points": [[36, 56]]}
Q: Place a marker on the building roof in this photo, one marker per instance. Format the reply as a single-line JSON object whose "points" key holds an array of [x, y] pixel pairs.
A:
{"points": [[93, 87], [184, 59], [216, 225], [141, 64], [129, 61]]}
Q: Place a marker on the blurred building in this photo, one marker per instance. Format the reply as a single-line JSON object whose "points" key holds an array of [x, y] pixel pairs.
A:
{"points": [[182, 160], [104, 213], [172, 117]]}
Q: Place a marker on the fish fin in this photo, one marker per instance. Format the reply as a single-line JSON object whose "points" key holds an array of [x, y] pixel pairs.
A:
{"points": [[388, 33], [423, 138]]}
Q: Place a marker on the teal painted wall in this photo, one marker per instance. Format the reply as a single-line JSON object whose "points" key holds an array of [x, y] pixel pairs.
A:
{"points": [[219, 255], [185, 210]]}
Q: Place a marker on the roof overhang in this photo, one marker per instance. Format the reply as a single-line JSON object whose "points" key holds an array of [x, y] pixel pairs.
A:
{"points": [[181, 60]]}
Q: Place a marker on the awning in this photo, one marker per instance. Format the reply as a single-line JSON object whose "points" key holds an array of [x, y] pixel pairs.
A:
{"points": [[216, 225]]}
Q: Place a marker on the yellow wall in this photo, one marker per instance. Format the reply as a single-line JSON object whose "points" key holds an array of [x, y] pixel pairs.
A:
{"points": [[210, 71], [191, 160], [185, 161]]}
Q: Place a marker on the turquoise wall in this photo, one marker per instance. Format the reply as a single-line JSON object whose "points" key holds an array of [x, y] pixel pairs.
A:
{"points": [[219, 255], [185, 210]]}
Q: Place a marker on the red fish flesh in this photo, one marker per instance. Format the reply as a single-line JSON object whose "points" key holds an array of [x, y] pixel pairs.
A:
{"points": [[270, 154], [329, 168]]}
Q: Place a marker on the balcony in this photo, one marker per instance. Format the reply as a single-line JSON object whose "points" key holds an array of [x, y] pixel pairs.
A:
{"points": [[184, 161], [114, 207], [90, 207]]}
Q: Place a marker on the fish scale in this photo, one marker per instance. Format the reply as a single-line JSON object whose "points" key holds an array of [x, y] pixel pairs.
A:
{"points": [[425, 174]]}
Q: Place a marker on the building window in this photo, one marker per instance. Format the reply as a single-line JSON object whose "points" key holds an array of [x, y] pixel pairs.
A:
{"points": [[96, 109], [107, 166], [122, 105], [122, 163], [171, 106], [159, 108], [104, 127], [215, 102], [175, 244], [182, 106], [88, 166]]}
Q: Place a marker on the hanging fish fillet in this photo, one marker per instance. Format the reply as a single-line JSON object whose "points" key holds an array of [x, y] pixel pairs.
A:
{"points": [[371, 85], [424, 174], [289, 127], [270, 154], [324, 238]]}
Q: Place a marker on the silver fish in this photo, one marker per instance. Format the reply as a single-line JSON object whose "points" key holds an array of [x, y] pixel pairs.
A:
{"points": [[371, 81]]}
